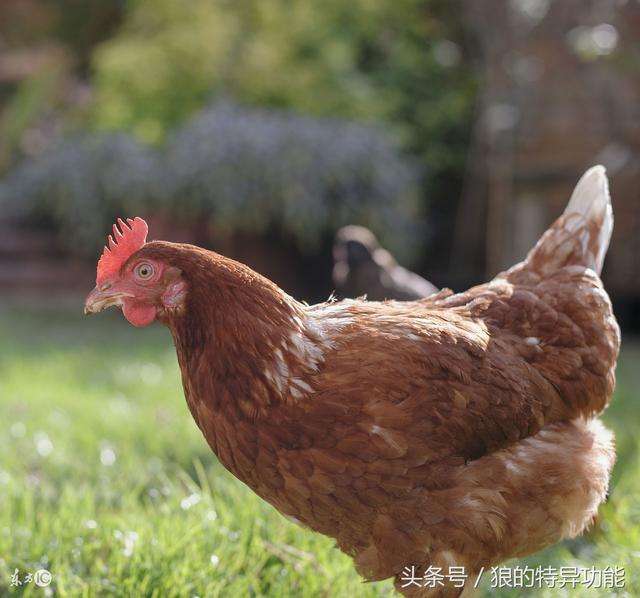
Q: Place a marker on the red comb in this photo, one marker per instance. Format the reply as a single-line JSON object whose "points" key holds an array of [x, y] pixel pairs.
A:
{"points": [[124, 242]]}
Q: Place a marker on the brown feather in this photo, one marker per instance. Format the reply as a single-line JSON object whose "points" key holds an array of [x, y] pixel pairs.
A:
{"points": [[457, 429]]}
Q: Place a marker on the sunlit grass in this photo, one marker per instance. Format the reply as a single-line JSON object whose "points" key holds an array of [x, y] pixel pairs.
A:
{"points": [[106, 482]]}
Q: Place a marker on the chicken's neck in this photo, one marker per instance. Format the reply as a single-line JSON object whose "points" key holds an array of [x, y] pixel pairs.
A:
{"points": [[243, 349]]}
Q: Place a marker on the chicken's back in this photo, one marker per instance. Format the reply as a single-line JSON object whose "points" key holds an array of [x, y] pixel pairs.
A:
{"points": [[554, 302], [561, 326]]}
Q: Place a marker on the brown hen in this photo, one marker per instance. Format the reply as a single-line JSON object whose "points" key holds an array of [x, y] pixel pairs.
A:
{"points": [[456, 430]]}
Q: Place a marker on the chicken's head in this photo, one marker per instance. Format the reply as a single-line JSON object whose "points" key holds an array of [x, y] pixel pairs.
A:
{"points": [[144, 286]]}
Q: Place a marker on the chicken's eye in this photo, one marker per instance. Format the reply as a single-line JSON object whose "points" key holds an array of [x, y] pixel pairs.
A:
{"points": [[144, 271]]}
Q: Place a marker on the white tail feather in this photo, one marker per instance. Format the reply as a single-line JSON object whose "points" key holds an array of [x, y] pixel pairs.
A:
{"points": [[592, 201], [581, 235]]}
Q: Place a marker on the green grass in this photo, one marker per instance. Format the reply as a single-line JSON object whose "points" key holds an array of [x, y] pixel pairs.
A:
{"points": [[106, 482]]}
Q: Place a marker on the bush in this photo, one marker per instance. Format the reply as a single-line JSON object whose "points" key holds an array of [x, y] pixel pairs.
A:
{"points": [[241, 169], [78, 185], [252, 169]]}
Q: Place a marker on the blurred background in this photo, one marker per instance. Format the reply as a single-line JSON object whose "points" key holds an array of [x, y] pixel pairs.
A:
{"points": [[453, 130]]}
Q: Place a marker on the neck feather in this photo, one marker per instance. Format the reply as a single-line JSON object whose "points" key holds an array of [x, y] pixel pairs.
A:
{"points": [[243, 344]]}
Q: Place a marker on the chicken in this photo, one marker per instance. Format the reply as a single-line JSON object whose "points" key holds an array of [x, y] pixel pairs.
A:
{"points": [[458, 430], [362, 267]]}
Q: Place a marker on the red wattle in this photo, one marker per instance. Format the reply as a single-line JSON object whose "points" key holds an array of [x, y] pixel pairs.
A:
{"points": [[138, 314]]}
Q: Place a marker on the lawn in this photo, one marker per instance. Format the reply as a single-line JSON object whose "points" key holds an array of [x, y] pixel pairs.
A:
{"points": [[106, 482]]}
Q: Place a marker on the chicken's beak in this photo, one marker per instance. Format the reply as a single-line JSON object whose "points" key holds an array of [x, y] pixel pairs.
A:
{"points": [[102, 297]]}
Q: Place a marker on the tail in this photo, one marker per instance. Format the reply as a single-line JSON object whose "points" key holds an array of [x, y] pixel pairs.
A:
{"points": [[581, 235]]}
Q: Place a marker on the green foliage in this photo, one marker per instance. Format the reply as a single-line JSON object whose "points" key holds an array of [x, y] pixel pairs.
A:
{"points": [[106, 481], [31, 99], [333, 63], [395, 61], [161, 67]]}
